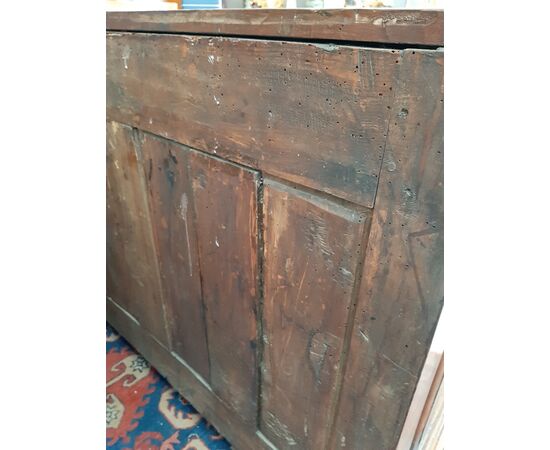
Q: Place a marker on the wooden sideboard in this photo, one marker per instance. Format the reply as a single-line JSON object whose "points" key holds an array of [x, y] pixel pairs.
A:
{"points": [[275, 214]]}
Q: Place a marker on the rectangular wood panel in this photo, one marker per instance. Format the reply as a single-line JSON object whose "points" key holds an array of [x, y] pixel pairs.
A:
{"points": [[173, 220], [314, 114], [132, 273], [313, 248], [401, 295], [225, 200]]}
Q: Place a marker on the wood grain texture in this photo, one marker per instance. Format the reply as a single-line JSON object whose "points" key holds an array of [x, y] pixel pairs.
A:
{"points": [[336, 130], [225, 199], [312, 252], [401, 295], [185, 381], [391, 26], [173, 220], [132, 272], [316, 115]]}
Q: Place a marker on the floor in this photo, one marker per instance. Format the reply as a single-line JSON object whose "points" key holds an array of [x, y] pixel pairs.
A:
{"points": [[144, 412]]}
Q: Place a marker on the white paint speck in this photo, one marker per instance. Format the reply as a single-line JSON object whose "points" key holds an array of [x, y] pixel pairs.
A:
{"points": [[125, 56], [116, 164], [211, 59], [151, 120], [217, 243], [345, 272], [216, 100]]}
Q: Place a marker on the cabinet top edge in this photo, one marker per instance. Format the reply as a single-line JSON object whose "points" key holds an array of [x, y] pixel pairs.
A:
{"points": [[402, 27]]}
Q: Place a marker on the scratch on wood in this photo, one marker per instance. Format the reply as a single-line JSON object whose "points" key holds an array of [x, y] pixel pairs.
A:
{"points": [[279, 428], [364, 335], [183, 211], [397, 365]]}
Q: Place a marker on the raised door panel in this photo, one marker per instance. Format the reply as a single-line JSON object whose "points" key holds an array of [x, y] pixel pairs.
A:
{"points": [[171, 204], [313, 252], [225, 201], [132, 272]]}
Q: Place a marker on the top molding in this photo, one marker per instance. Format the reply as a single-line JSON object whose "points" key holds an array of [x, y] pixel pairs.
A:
{"points": [[377, 26]]}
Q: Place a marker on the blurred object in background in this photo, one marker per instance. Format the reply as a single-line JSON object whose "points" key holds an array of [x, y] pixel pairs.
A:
{"points": [[142, 5], [203, 4], [270, 4], [162, 5], [332, 4]]}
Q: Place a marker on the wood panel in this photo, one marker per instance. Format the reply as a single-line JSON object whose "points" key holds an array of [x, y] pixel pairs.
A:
{"points": [[313, 247], [362, 25], [174, 226], [225, 199], [314, 114], [401, 295], [132, 273]]}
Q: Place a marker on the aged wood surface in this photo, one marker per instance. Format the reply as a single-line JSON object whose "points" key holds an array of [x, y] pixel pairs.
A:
{"points": [[184, 379], [316, 115], [389, 26], [313, 247], [171, 205], [225, 199], [401, 293], [132, 272], [288, 191]]}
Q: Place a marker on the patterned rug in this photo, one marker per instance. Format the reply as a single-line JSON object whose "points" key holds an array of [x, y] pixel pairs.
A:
{"points": [[144, 412]]}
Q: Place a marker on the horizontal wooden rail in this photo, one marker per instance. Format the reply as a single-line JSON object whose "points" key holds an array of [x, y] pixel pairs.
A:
{"points": [[382, 26]]}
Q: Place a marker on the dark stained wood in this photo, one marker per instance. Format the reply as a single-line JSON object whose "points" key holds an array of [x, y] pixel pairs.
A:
{"points": [[316, 115], [184, 379], [172, 216], [388, 26], [312, 252], [401, 294], [225, 199], [132, 273]]}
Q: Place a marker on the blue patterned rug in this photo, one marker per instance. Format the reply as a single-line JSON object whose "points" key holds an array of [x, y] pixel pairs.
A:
{"points": [[143, 410]]}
